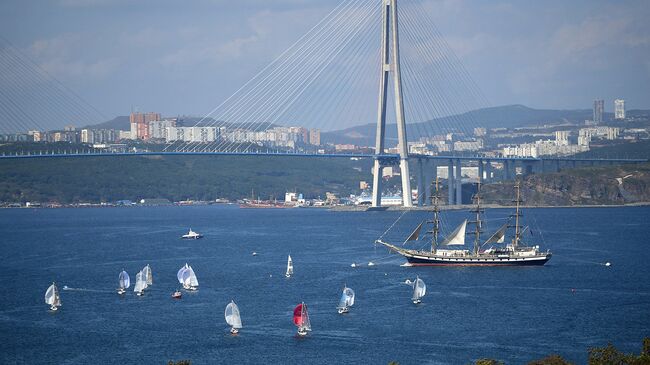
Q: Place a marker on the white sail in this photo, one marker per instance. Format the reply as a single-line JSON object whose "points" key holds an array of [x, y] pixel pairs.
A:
{"points": [[347, 298], [140, 282], [419, 289], [194, 282], [289, 267], [52, 296], [306, 323], [457, 237], [125, 280], [147, 275], [499, 235], [232, 315], [179, 275]]}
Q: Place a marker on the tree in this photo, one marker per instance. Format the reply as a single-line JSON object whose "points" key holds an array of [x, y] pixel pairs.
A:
{"points": [[550, 360]]}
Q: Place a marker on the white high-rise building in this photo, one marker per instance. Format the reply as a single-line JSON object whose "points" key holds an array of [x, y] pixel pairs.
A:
{"points": [[561, 138], [619, 109]]}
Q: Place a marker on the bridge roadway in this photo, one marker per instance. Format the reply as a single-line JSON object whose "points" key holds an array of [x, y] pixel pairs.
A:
{"points": [[426, 168]]}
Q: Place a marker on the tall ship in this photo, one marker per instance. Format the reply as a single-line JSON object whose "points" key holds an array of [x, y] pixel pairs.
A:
{"points": [[442, 253]]}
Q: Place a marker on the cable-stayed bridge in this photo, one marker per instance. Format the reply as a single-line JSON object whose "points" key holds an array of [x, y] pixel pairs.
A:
{"points": [[367, 61]]}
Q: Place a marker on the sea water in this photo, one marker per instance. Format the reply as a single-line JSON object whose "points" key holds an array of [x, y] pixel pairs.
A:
{"points": [[515, 314]]}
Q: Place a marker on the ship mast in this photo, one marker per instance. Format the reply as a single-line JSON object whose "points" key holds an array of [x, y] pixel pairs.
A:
{"points": [[436, 219], [477, 222], [515, 242]]}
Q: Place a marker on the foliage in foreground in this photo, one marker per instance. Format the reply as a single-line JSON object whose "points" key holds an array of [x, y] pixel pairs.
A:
{"points": [[608, 355]]}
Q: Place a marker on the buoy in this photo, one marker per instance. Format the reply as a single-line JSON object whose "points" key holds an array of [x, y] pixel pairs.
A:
{"points": [[608, 264], [353, 265]]}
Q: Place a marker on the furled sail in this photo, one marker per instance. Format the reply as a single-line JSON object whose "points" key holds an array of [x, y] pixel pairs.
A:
{"points": [[52, 296], [457, 237], [498, 236], [232, 315], [419, 289], [125, 280], [416, 233]]}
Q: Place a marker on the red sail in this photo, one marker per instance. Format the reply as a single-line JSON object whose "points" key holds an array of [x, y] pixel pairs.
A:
{"points": [[297, 315]]}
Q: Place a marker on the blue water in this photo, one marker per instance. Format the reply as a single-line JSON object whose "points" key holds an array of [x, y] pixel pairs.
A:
{"points": [[513, 314]]}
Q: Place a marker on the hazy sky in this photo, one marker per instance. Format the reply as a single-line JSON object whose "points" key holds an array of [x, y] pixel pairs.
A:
{"points": [[185, 57]]}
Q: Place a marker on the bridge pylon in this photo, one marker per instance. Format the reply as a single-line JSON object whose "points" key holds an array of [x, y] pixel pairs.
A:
{"points": [[390, 64]]}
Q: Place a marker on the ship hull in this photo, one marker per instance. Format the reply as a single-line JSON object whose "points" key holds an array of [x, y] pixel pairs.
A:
{"points": [[434, 261], [419, 258]]}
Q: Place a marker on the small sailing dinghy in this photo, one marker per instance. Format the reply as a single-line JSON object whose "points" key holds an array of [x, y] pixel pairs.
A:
{"points": [[346, 301], [301, 319], [191, 235], [148, 275], [289, 267], [124, 282], [52, 297], [187, 278], [140, 283], [419, 290], [233, 318]]}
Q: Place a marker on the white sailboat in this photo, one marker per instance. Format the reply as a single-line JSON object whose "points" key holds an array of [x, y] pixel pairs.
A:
{"points": [[52, 297], [124, 282], [187, 278], [419, 290], [346, 301], [140, 283], [148, 275], [233, 318], [289, 267]]}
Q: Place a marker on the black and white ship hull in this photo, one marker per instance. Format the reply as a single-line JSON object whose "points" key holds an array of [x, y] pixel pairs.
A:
{"points": [[423, 258]]}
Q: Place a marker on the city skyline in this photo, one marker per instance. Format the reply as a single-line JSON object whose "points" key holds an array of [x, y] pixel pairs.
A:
{"points": [[185, 61]]}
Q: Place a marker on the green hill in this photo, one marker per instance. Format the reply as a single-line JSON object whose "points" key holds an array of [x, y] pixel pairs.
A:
{"points": [[176, 178]]}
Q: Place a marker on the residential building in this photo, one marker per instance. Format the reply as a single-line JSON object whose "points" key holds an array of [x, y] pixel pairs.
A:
{"points": [[480, 132], [468, 145], [140, 124], [619, 109], [158, 128], [562, 138], [599, 110], [314, 137], [191, 134]]}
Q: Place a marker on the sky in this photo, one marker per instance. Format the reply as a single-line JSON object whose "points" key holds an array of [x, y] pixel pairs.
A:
{"points": [[186, 57]]}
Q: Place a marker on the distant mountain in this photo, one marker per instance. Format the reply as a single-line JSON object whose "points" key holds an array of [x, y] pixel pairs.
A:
{"points": [[120, 122], [509, 116]]}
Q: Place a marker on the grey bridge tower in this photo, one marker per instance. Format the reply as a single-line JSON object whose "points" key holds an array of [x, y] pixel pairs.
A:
{"points": [[390, 63]]}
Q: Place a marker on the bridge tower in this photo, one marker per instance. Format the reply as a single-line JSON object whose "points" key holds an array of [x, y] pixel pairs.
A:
{"points": [[390, 64]]}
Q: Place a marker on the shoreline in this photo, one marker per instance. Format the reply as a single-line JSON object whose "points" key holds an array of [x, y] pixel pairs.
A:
{"points": [[487, 206], [344, 208]]}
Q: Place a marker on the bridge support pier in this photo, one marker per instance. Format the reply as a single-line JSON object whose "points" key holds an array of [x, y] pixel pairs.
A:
{"points": [[506, 170], [421, 183], [480, 172], [488, 171], [459, 183], [450, 182]]}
